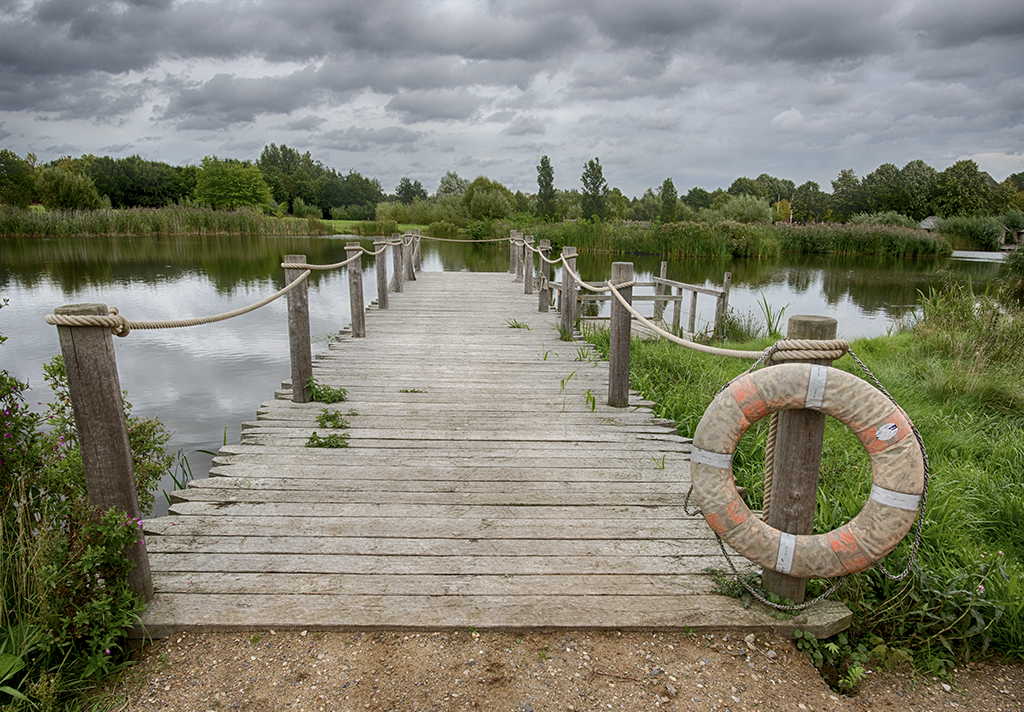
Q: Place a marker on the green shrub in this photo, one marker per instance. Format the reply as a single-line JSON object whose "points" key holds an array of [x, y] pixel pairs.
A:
{"points": [[747, 209], [1013, 219], [301, 210], [443, 230], [59, 189], [972, 233], [65, 601]]}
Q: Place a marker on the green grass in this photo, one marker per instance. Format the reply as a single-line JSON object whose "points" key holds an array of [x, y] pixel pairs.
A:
{"points": [[959, 373]]}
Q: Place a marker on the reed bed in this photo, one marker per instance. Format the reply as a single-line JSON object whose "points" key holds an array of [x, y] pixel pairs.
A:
{"points": [[171, 220]]}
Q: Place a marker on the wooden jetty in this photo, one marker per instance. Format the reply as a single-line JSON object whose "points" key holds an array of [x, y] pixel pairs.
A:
{"points": [[485, 483]]}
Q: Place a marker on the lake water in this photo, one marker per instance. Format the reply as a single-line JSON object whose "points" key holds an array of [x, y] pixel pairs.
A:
{"points": [[203, 382]]}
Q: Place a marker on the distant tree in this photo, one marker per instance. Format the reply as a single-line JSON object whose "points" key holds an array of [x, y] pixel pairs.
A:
{"points": [[1007, 196], [775, 189], [917, 187], [883, 190], [291, 174], [781, 211], [669, 199], [546, 207], [746, 186], [698, 198], [135, 182], [408, 190], [485, 199], [352, 196], [1017, 179], [847, 195], [617, 204], [226, 184], [747, 209], [569, 203], [646, 208], [452, 184], [809, 203], [595, 189], [962, 191], [61, 189], [17, 178]]}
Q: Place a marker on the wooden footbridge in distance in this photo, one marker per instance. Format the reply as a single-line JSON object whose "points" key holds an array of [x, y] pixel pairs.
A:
{"points": [[485, 483]]}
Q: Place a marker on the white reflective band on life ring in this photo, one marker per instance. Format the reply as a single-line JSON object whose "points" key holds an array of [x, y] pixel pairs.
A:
{"points": [[787, 547], [816, 387], [715, 459], [895, 499], [897, 469]]}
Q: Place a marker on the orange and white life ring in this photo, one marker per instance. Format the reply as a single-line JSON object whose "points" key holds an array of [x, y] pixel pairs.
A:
{"points": [[897, 467]]}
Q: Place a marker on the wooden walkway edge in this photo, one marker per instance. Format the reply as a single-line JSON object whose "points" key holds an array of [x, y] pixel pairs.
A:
{"points": [[485, 484]]}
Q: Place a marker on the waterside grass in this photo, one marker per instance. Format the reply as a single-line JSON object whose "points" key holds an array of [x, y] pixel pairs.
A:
{"points": [[958, 371], [171, 220]]}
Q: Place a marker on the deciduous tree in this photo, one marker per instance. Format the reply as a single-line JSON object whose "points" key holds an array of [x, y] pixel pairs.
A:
{"points": [[962, 191], [408, 190], [226, 184], [17, 178], [546, 207], [595, 188], [669, 200]]}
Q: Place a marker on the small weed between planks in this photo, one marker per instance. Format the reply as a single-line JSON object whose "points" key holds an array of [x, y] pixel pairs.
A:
{"points": [[410, 390], [326, 394], [334, 440], [514, 324], [331, 419]]}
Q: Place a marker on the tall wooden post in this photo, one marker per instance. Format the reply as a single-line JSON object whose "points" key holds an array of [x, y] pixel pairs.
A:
{"points": [[528, 265], [659, 290], [568, 291], [544, 300], [619, 337], [512, 252], [519, 247], [398, 256], [95, 392], [355, 290], [798, 445], [417, 257], [722, 307], [298, 332], [382, 273], [410, 272]]}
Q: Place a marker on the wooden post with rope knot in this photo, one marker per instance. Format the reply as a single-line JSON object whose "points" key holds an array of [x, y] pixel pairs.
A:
{"points": [[544, 277], [568, 292], [298, 332], [97, 403], [398, 256], [528, 265], [619, 337], [355, 290], [797, 460]]}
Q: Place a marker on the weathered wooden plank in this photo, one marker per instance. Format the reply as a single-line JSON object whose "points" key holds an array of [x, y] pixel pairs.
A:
{"points": [[198, 524], [527, 484], [400, 511], [220, 612], [375, 472]]}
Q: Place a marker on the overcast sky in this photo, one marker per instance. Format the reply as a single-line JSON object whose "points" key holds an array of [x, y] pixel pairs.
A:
{"points": [[699, 91]]}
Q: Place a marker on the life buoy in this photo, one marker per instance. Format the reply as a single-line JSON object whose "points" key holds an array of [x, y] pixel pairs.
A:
{"points": [[897, 468]]}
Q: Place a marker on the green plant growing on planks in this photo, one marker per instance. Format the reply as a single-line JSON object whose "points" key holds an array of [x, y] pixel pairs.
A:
{"points": [[328, 418], [590, 399], [326, 394], [333, 440], [515, 324]]}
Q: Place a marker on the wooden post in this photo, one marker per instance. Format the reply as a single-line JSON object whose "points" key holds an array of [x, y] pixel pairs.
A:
{"points": [[722, 307], [519, 248], [568, 291], [397, 254], [355, 290], [382, 273], [659, 290], [619, 336], [512, 252], [95, 392], [693, 312], [528, 265], [677, 310], [544, 272], [410, 272], [298, 332], [417, 258], [798, 445]]}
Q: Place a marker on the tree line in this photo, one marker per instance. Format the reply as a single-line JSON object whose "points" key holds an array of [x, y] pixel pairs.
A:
{"points": [[285, 181]]}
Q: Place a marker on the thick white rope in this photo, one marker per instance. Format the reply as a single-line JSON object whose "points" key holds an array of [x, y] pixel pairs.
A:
{"points": [[121, 327]]}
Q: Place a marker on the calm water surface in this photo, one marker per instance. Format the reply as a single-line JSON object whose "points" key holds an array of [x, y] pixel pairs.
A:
{"points": [[204, 381]]}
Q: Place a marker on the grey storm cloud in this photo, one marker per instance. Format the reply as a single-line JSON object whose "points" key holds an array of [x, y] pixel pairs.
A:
{"points": [[709, 87]]}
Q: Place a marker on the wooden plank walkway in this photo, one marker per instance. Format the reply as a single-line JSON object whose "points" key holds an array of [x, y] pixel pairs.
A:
{"points": [[485, 484]]}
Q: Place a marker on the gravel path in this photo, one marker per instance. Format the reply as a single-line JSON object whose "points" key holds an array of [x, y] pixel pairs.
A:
{"points": [[524, 672]]}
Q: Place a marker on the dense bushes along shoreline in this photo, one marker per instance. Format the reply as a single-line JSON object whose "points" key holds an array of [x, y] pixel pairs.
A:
{"points": [[171, 220]]}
